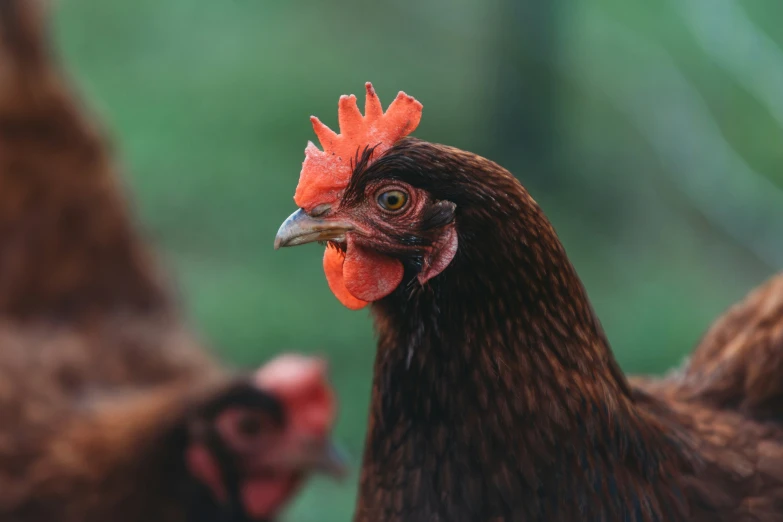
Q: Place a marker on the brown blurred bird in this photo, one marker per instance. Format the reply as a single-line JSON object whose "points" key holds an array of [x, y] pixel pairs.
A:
{"points": [[496, 395], [110, 410]]}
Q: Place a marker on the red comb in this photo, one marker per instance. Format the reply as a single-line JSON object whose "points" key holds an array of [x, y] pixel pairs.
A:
{"points": [[303, 386], [326, 173]]}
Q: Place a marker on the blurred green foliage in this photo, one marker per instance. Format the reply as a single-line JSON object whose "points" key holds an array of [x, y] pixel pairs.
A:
{"points": [[647, 152]]}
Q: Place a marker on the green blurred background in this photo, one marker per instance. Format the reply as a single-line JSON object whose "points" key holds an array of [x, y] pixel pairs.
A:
{"points": [[651, 134]]}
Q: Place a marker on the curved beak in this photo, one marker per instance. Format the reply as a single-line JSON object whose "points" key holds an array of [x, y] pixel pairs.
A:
{"points": [[301, 228], [331, 461], [311, 456]]}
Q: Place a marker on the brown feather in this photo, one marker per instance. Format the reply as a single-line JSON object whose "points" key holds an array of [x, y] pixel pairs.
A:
{"points": [[69, 250], [739, 362]]}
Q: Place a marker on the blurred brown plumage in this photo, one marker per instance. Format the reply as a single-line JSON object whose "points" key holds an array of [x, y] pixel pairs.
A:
{"points": [[110, 409], [739, 363], [496, 395]]}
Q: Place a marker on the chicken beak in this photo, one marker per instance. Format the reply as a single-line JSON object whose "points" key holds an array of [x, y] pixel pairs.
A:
{"points": [[301, 228], [322, 457], [332, 462]]}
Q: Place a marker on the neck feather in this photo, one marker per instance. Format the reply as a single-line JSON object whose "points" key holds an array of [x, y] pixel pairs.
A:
{"points": [[498, 371]]}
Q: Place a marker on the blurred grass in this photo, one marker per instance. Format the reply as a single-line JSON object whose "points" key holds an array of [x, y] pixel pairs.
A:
{"points": [[208, 104]]}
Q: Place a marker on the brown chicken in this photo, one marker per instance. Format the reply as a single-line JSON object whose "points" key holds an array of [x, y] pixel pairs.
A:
{"points": [[495, 394], [110, 410]]}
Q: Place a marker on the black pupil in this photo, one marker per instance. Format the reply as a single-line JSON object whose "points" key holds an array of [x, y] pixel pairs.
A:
{"points": [[392, 200]]}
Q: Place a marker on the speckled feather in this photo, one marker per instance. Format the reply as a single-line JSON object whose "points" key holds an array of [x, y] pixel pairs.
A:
{"points": [[496, 396]]}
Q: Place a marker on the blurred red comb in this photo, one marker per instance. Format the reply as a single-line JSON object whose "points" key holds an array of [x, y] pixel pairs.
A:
{"points": [[326, 173], [302, 384]]}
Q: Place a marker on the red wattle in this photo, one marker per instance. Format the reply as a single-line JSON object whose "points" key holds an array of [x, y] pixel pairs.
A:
{"points": [[333, 268], [264, 497], [369, 275], [361, 276]]}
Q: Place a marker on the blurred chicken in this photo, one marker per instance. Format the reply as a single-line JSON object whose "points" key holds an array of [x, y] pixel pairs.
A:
{"points": [[109, 408], [496, 396]]}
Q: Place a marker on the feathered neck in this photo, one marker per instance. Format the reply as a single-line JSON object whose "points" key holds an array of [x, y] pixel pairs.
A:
{"points": [[509, 311], [495, 388]]}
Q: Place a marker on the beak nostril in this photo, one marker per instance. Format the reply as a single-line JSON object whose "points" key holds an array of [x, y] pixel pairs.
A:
{"points": [[320, 210]]}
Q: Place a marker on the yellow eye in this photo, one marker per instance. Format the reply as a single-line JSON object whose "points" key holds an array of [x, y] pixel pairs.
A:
{"points": [[392, 200]]}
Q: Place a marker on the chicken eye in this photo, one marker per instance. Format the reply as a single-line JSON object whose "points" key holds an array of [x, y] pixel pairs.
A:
{"points": [[392, 200]]}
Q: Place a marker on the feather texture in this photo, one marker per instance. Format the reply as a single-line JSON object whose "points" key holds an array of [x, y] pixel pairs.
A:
{"points": [[496, 396]]}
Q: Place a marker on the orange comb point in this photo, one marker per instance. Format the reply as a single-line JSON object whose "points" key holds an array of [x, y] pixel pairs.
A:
{"points": [[349, 117], [326, 136], [325, 174], [373, 109], [404, 113]]}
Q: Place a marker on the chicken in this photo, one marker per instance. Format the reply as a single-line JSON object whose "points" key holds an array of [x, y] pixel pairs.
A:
{"points": [[495, 392], [110, 409]]}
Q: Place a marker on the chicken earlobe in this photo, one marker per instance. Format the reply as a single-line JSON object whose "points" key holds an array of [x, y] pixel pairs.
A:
{"points": [[441, 255]]}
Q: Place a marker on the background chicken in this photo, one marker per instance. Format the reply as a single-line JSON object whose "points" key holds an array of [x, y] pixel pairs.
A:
{"points": [[109, 408], [495, 394]]}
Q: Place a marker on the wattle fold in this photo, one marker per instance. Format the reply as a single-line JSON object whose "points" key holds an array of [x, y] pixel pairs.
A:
{"points": [[333, 268], [362, 276]]}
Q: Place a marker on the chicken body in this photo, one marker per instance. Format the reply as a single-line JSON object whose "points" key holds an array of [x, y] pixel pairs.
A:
{"points": [[496, 396], [109, 408]]}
